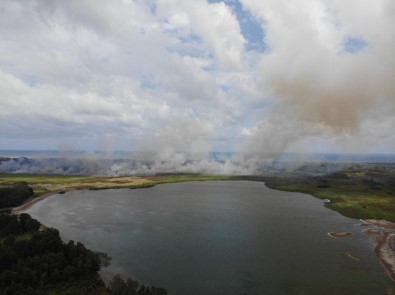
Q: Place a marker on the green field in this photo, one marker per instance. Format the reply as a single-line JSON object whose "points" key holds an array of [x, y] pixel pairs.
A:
{"points": [[352, 202], [354, 197], [356, 193], [43, 184], [34, 178]]}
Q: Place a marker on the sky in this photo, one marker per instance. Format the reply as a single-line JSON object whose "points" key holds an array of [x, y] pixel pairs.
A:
{"points": [[194, 76]]}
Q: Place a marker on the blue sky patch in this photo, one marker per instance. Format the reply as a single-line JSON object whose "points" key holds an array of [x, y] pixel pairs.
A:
{"points": [[250, 26], [354, 44], [30, 80], [191, 38]]}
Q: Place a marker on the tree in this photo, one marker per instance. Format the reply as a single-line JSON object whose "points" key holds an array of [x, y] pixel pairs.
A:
{"points": [[117, 285]]}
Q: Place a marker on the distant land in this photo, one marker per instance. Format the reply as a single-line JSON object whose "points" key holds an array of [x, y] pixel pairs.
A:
{"points": [[122, 163], [288, 156]]}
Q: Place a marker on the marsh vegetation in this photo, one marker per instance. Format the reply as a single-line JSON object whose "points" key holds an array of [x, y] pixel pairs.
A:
{"points": [[357, 191]]}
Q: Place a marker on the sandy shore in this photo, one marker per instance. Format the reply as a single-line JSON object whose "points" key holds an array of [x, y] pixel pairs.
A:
{"points": [[381, 223], [94, 183], [386, 254], [382, 238], [18, 210]]}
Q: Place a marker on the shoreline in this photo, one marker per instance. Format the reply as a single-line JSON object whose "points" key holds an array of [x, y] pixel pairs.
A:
{"points": [[29, 203], [381, 240], [380, 222], [386, 254]]}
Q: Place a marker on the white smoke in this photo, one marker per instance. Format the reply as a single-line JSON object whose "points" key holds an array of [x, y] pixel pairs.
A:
{"points": [[330, 63]]}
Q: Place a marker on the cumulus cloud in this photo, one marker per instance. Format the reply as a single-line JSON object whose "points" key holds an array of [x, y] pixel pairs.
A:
{"points": [[214, 23], [123, 65], [187, 77]]}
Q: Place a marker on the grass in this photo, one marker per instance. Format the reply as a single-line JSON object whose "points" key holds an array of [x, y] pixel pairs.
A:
{"points": [[355, 201], [34, 179], [44, 184]]}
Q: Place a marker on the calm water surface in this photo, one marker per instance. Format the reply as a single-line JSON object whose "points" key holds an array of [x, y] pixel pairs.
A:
{"points": [[219, 237]]}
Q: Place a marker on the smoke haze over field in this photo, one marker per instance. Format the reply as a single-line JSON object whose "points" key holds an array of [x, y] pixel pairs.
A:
{"points": [[176, 163], [124, 164], [175, 80]]}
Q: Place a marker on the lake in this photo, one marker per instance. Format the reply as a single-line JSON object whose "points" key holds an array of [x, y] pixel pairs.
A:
{"points": [[220, 237]]}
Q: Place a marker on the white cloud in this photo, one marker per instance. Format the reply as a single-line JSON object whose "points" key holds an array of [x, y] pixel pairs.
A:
{"points": [[214, 23], [137, 69]]}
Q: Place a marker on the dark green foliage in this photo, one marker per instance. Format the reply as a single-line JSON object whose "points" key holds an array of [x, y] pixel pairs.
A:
{"points": [[12, 225], [338, 175], [14, 194], [43, 264], [43, 261], [118, 286], [322, 183], [105, 260]]}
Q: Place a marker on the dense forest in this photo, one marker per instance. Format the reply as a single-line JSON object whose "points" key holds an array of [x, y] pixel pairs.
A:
{"points": [[14, 194], [34, 260]]}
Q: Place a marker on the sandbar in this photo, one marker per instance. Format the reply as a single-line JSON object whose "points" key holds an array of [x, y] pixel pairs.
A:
{"points": [[380, 222], [340, 234], [382, 240], [386, 254]]}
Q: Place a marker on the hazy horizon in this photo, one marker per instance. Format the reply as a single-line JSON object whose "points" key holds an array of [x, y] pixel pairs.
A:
{"points": [[134, 163], [114, 152]]}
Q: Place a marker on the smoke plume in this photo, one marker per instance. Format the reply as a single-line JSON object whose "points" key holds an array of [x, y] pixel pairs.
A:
{"points": [[328, 70]]}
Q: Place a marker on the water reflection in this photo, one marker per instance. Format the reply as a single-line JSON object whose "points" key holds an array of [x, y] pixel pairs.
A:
{"points": [[228, 237]]}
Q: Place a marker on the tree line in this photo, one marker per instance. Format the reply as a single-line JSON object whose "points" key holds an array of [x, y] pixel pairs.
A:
{"points": [[34, 261], [14, 194]]}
